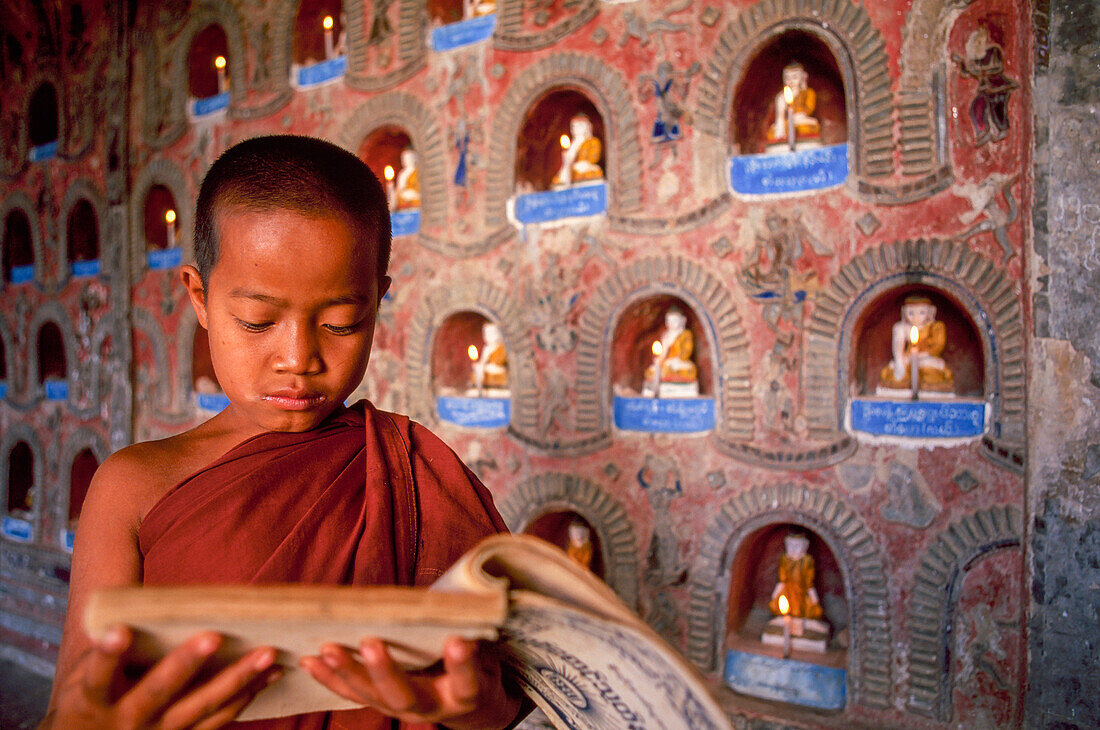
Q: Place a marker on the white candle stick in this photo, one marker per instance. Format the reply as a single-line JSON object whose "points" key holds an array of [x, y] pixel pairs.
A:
{"points": [[788, 96], [330, 49], [914, 370], [785, 608], [223, 83], [170, 220]]}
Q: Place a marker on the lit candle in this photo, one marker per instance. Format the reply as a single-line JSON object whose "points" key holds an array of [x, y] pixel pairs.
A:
{"points": [[564, 141], [388, 174], [657, 350], [785, 609], [471, 351], [223, 84], [170, 219], [329, 46], [914, 370], [788, 96]]}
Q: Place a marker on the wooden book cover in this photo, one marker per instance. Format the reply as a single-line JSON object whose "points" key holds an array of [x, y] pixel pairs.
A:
{"points": [[581, 655]]}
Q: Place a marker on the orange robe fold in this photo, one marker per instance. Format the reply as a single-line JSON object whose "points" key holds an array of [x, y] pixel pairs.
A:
{"points": [[295, 508]]}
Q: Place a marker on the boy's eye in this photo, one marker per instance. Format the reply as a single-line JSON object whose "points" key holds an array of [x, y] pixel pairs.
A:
{"points": [[339, 330], [253, 326]]}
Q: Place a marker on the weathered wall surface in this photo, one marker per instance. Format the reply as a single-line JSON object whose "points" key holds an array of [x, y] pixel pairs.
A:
{"points": [[1064, 475]]}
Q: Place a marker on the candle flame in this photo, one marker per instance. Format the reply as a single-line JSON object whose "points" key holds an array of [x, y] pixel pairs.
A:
{"points": [[784, 605], [565, 141], [388, 172], [914, 334], [472, 352], [657, 349], [327, 22], [219, 62], [788, 94], [170, 216]]}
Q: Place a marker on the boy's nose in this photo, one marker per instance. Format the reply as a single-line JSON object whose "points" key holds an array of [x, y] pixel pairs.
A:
{"points": [[299, 353]]}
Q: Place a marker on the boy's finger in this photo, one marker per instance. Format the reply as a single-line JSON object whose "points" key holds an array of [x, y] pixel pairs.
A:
{"points": [[156, 690], [463, 672], [326, 675], [229, 710], [244, 678], [103, 663], [389, 681]]}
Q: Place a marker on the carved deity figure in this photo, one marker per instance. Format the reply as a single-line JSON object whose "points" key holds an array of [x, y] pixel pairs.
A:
{"points": [[919, 314], [672, 372], [407, 184], [491, 369], [985, 62], [794, 105], [579, 546], [478, 8], [580, 162]]}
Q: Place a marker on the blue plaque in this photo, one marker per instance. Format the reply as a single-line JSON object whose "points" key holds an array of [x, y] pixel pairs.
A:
{"points": [[405, 222], [57, 389], [210, 104], [477, 412], [3, 389], [790, 172], [18, 530], [85, 268], [215, 402], [43, 152], [22, 274], [323, 72], [552, 205], [68, 538], [158, 259], [786, 680], [664, 415], [918, 418], [463, 33]]}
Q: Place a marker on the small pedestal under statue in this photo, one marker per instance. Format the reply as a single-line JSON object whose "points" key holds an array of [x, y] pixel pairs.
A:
{"points": [[580, 160], [490, 367], [918, 339], [798, 620], [672, 373]]}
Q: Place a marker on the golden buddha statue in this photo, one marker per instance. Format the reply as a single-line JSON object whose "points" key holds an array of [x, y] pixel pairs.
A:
{"points": [[673, 374], [580, 161], [918, 336], [478, 8], [799, 618], [579, 545], [794, 104], [407, 185]]}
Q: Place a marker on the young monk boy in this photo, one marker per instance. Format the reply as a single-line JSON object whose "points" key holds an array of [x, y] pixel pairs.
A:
{"points": [[292, 241]]}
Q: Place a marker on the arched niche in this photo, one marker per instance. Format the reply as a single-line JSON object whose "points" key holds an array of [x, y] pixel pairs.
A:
{"points": [[42, 113], [158, 233], [207, 45], [382, 148], [451, 361], [471, 377], [640, 324], [81, 470], [52, 362], [389, 153], [21, 480], [158, 188], [309, 43], [762, 80], [82, 233], [19, 248], [557, 525], [872, 339], [541, 140]]}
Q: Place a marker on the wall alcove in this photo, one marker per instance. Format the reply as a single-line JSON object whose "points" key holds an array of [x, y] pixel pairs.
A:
{"points": [[20, 485], [391, 156], [160, 228], [52, 362], [22, 474], [82, 239], [83, 467], [18, 253], [208, 71], [309, 43], [470, 374], [43, 122], [557, 526]]}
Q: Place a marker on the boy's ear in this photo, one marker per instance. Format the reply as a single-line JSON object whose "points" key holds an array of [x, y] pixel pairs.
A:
{"points": [[192, 282], [383, 287]]}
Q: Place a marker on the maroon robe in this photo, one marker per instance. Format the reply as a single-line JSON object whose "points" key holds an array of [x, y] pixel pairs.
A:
{"points": [[292, 508]]}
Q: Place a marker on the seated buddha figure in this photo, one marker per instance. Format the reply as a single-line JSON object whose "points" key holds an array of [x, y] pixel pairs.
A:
{"points": [[673, 374], [918, 314], [580, 162], [802, 604], [796, 103], [579, 545], [478, 8], [491, 369], [407, 184]]}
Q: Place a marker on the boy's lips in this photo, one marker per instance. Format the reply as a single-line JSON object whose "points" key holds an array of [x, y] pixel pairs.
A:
{"points": [[294, 400]]}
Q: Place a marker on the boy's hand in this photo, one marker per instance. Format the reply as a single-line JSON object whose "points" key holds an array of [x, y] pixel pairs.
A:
{"points": [[467, 694], [97, 694]]}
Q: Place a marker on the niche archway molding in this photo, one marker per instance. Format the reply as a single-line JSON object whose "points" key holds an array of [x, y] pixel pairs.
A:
{"points": [[932, 604], [14, 376], [555, 492], [511, 36], [980, 286], [13, 434], [52, 312], [862, 565], [224, 15], [81, 189], [405, 111], [160, 172], [471, 295], [22, 202], [860, 52], [609, 92], [712, 302], [48, 74]]}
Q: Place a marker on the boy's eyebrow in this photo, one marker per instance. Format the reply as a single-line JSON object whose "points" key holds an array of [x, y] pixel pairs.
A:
{"points": [[277, 302]]}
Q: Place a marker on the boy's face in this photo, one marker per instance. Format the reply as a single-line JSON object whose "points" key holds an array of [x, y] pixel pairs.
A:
{"points": [[290, 307]]}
